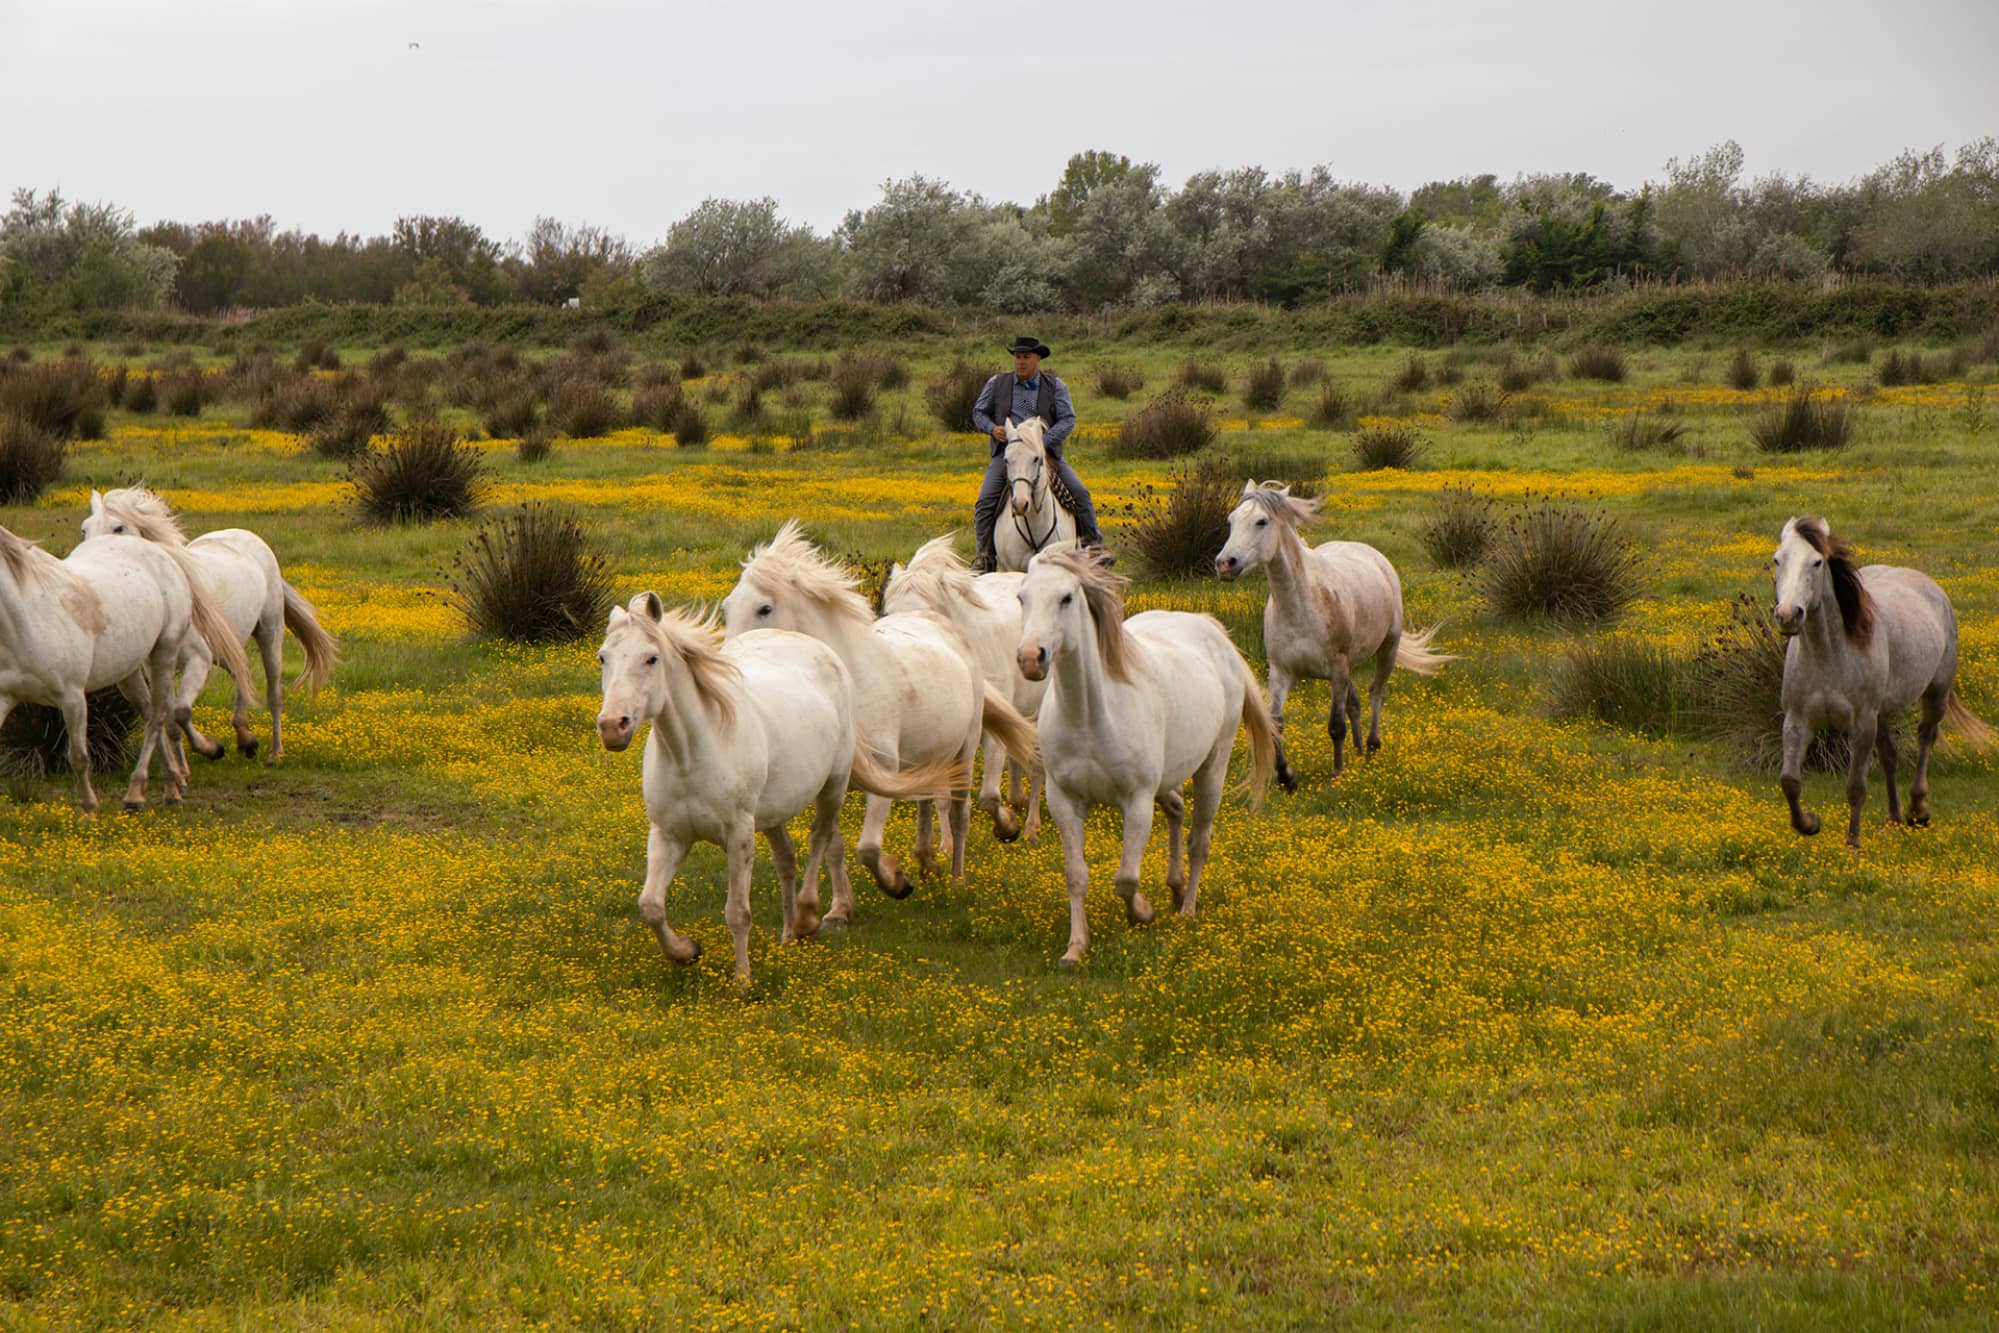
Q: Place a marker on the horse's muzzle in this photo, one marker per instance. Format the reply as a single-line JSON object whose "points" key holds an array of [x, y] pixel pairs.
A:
{"points": [[615, 732], [1034, 664], [1789, 622], [1227, 568]]}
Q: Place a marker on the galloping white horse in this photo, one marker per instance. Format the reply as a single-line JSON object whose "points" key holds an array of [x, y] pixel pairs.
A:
{"points": [[1134, 709], [744, 736], [1033, 521], [115, 612], [242, 576], [1331, 607], [918, 690], [986, 610], [1864, 644]]}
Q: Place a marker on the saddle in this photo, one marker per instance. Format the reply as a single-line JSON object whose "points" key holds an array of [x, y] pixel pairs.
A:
{"points": [[1060, 490]]}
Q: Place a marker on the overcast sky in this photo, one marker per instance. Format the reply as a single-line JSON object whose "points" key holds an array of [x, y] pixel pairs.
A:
{"points": [[623, 113]]}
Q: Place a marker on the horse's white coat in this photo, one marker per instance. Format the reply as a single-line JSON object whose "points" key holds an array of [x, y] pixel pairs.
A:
{"points": [[1331, 607], [1833, 676], [241, 574], [1032, 520], [1134, 709]]}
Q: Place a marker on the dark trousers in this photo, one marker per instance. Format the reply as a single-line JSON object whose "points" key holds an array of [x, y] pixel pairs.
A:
{"points": [[992, 499]]}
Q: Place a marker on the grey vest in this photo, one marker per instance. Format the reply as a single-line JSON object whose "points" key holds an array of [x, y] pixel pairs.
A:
{"points": [[1044, 399]]}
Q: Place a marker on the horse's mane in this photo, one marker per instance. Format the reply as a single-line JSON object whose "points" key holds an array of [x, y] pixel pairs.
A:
{"points": [[146, 514], [22, 557], [788, 561], [1103, 593], [1032, 424], [1856, 607], [1275, 499], [935, 577], [690, 636]]}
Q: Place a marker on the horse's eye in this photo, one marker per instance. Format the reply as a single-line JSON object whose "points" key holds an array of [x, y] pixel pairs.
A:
{"points": [[765, 609], [1263, 523], [118, 527], [600, 659], [653, 660], [1818, 564], [1068, 597]]}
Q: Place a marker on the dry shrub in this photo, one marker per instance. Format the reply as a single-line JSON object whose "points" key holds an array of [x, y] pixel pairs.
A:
{"points": [[142, 395], [1515, 374], [1335, 409], [316, 354], [1852, 351], [507, 417], [655, 375], [1598, 361], [1450, 374], [1309, 371], [654, 406], [1782, 373], [853, 395], [183, 393], [1804, 419], [1302, 472], [423, 471], [66, 398], [1170, 426], [385, 362], [1639, 686], [1987, 350], [779, 373], [296, 404], [530, 578], [1899, 368], [1742, 372], [1377, 447], [1459, 527], [1263, 386], [1563, 563], [355, 422], [582, 409], [34, 741], [749, 410], [1642, 430], [1414, 374], [952, 395], [689, 427], [1119, 382], [692, 367], [31, 459], [1480, 401], [1181, 532], [1202, 377]]}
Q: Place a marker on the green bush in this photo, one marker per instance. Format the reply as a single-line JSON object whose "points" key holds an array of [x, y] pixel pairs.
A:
{"points": [[31, 459], [1598, 361], [1459, 528], [1335, 409], [531, 578], [1742, 372], [1478, 401], [422, 472], [1181, 532], [1563, 563], [1414, 375], [952, 395], [1641, 687], [1391, 446], [1199, 376], [1805, 419], [1170, 426], [1119, 382], [1263, 386]]}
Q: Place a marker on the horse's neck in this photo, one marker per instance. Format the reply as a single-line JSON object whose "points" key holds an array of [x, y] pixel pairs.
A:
{"points": [[1823, 638], [855, 640], [1291, 579], [1079, 676], [685, 729]]}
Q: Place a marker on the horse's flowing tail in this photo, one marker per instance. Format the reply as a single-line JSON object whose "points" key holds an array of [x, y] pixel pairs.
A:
{"points": [[214, 628], [320, 650], [934, 781], [1007, 725], [1413, 653], [1262, 736], [1970, 728]]}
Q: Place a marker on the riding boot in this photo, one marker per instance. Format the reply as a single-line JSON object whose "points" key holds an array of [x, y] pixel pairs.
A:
{"points": [[1085, 513]]}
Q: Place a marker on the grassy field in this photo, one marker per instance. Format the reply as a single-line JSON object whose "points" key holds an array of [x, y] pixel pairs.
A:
{"points": [[1521, 1022]]}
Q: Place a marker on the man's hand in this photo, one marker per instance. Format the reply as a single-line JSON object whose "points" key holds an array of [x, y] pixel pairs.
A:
{"points": [[999, 433]]}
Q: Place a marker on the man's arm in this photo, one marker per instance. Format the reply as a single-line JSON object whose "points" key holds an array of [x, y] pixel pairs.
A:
{"points": [[982, 410], [1065, 418]]}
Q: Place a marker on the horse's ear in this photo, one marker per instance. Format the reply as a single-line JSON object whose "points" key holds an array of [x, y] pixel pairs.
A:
{"points": [[1281, 487], [1249, 488], [654, 607], [96, 502]]}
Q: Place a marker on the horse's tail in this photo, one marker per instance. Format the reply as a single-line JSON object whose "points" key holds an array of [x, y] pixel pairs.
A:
{"points": [[321, 653], [1413, 653], [934, 781], [1970, 728], [1010, 727], [214, 628], [1262, 736]]}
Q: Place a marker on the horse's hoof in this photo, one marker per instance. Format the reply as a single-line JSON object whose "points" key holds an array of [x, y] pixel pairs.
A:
{"points": [[1006, 828], [215, 750], [834, 923], [1809, 824], [890, 879], [133, 807], [1179, 895], [248, 748], [1373, 745], [171, 798], [1138, 911], [1287, 779], [806, 928], [1069, 962]]}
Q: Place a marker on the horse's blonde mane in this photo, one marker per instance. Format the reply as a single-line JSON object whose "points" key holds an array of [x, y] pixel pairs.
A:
{"points": [[22, 557], [146, 514], [935, 577], [1103, 594], [1856, 607], [790, 563], [691, 637], [1275, 499]]}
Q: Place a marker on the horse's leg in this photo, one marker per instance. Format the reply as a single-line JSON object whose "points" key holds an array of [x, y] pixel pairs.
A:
{"points": [[804, 914], [1067, 812], [926, 857], [1280, 690], [1031, 829], [195, 664], [1797, 735], [1338, 686], [1175, 806], [784, 860], [663, 858], [1006, 825], [76, 719], [1377, 693], [1884, 750], [140, 695], [1856, 773], [959, 812], [239, 716], [1353, 715], [271, 647], [836, 867], [742, 852], [1209, 781], [887, 873], [158, 732], [1137, 830], [1926, 740]]}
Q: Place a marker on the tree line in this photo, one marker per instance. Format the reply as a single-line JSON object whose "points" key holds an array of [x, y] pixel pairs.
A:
{"points": [[1110, 232]]}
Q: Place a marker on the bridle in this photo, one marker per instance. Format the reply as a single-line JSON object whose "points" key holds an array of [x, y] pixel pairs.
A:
{"points": [[1036, 488]]}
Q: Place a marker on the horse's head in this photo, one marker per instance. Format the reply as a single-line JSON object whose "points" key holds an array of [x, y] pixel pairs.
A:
{"points": [[1067, 597], [1268, 511], [136, 512], [633, 658], [1811, 565], [101, 522], [788, 583], [1026, 466]]}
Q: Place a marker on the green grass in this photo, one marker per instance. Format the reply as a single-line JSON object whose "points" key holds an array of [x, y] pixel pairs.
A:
{"points": [[1522, 1022]]}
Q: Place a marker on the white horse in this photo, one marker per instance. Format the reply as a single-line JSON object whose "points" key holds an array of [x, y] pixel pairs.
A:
{"points": [[242, 576], [1135, 707], [918, 691], [1864, 644], [986, 610], [115, 612], [1331, 607], [1033, 521], [744, 736]]}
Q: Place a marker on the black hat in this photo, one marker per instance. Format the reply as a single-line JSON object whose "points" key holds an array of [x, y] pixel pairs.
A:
{"points": [[1025, 346]]}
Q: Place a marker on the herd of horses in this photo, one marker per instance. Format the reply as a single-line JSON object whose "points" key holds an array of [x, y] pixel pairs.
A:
{"points": [[794, 689]]}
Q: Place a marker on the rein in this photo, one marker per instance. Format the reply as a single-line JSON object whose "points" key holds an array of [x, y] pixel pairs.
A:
{"points": [[1035, 494]]}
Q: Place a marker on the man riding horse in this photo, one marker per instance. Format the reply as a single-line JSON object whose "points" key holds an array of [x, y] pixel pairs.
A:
{"points": [[1015, 398]]}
